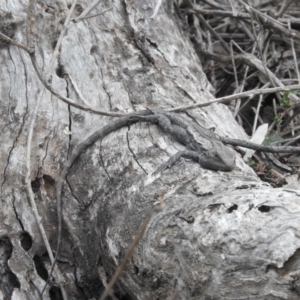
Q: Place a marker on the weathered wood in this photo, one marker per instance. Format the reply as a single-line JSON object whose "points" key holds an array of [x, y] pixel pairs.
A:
{"points": [[220, 235]]}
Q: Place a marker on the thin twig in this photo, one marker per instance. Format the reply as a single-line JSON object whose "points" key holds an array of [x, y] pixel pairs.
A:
{"points": [[29, 27], [31, 195], [245, 76], [70, 101], [31, 12], [156, 207], [267, 72], [212, 62], [76, 88], [213, 32], [257, 114], [229, 98], [176, 109], [31, 42], [249, 145], [59, 40], [92, 16], [87, 10], [284, 7], [271, 22], [238, 101], [48, 76], [294, 55], [55, 93], [250, 60], [5, 37], [128, 255]]}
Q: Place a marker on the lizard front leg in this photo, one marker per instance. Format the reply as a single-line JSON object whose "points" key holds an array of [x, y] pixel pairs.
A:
{"points": [[207, 160], [196, 156]]}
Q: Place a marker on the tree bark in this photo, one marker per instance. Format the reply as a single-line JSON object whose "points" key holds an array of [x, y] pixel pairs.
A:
{"points": [[218, 236]]}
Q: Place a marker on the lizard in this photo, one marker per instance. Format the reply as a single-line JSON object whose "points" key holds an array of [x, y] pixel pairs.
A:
{"points": [[202, 146]]}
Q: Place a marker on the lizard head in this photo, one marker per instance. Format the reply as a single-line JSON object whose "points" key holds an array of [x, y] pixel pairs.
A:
{"points": [[219, 158]]}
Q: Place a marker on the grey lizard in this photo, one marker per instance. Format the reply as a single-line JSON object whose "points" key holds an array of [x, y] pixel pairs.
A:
{"points": [[202, 146]]}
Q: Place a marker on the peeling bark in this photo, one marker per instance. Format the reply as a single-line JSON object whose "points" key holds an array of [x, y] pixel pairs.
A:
{"points": [[219, 235]]}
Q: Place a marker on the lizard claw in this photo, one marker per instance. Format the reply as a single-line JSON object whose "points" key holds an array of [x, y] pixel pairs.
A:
{"points": [[169, 163], [162, 168]]}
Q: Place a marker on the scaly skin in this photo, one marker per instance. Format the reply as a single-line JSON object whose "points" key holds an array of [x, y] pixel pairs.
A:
{"points": [[202, 145]]}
